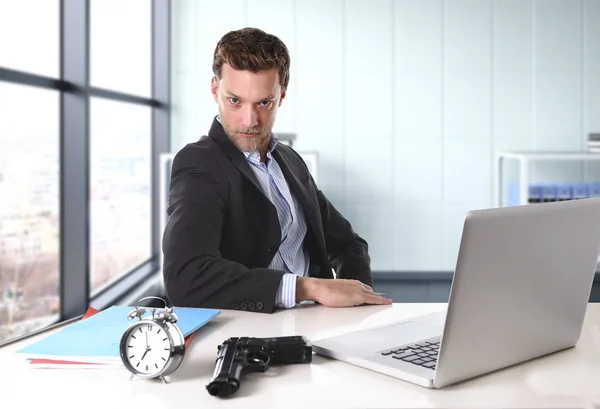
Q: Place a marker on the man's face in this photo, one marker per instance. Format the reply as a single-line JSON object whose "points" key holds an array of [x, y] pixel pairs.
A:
{"points": [[248, 104]]}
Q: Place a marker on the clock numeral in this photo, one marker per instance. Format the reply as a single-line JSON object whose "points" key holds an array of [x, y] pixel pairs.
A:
{"points": [[146, 367], [149, 327]]}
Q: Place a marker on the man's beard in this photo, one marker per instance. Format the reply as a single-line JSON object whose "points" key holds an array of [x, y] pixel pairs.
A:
{"points": [[248, 144], [244, 143]]}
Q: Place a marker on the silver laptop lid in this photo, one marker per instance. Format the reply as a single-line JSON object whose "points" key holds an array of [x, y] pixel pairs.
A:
{"points": [[521, 286]]}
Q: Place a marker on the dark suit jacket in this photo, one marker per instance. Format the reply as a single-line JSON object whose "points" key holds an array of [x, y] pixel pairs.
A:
{"points": [[222, 232]]}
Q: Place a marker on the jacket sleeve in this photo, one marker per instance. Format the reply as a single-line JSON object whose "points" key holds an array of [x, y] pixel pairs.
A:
{"points": [[348, 252], [195, 273]]}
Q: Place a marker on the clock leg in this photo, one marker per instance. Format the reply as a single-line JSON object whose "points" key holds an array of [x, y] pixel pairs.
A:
{"points": [[162, 378]]}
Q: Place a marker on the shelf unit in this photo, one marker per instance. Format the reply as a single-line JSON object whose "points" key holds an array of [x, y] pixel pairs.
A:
{"points": [[524, 160]]}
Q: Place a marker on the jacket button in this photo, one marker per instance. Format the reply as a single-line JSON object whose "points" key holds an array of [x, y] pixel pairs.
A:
{"points": [[259, 305], [272, 250], [236, 306], [252, 306], [244, 306]]}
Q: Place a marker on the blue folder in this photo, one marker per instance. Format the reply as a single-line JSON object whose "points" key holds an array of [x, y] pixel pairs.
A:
{"points": [[97, 338], [580, 190], [548, 193], [564, 192], [594, 190]]}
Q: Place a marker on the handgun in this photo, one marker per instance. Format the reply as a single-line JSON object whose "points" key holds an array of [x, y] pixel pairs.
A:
{"points": [[238, 356]]}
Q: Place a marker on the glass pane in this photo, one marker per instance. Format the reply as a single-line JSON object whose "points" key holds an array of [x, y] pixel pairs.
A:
{"points": [[120, 152], [121, 45], [29, 209], [29, 36]]}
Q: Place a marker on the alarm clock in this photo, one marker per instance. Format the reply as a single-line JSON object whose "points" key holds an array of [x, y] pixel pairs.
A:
{"points": [[153, 346]]}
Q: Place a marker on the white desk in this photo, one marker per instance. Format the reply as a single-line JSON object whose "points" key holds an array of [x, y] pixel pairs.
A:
{"points": [[568, 379]]}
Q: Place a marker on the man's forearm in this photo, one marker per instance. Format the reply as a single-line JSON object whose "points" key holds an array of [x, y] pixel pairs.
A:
{"points": [[306, 289]]}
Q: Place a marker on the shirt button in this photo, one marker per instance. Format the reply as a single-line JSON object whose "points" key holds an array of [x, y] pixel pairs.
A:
{"points": [[236, 306], [252, 306], [244, 306], [259, 305]]}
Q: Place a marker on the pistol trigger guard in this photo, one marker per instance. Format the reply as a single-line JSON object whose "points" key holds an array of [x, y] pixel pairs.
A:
{"points": [[267, 360], [260, 359]]}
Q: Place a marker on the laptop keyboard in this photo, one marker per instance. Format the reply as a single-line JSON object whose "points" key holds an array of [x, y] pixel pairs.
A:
{"points": [[420, 353]]}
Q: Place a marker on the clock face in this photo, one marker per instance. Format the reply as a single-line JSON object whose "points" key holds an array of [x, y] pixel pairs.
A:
{"points": [[148, 348]]}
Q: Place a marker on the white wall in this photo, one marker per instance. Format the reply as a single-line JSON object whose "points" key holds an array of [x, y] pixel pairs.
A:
{"points": [[408, 101]]}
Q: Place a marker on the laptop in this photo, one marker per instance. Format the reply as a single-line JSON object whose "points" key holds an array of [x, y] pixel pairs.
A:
{"points": [[520, 290]]}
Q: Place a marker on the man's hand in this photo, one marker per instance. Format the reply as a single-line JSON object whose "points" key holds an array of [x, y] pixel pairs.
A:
{"points": [[337, 292]]}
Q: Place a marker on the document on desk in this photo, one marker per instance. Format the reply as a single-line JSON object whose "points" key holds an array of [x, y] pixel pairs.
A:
{"points": [[95, 340], [41, 363]]}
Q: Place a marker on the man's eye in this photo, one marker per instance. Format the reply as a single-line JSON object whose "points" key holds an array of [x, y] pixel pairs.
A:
{"points": [[233, 100], [265, 103]]}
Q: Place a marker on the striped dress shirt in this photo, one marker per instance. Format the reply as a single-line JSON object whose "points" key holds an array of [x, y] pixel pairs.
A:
{"points": [[292, 257]]}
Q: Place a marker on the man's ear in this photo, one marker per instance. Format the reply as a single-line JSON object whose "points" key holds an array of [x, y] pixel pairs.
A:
{"points": [[214, 88], [282, 96]]}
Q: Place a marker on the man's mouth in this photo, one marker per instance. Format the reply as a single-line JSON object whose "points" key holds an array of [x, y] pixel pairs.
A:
{"points": [[248, 134]]}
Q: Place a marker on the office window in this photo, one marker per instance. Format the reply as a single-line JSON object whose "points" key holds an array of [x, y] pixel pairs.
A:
{"points": [[121, 45], [29, 36], [81, 123], [29, 209], [120, 183]]}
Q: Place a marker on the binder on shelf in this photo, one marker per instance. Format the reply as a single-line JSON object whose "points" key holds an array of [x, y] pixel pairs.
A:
{"points": [[594, 190], [579, 191], [534, 194], [564, 192], [548, 193]]}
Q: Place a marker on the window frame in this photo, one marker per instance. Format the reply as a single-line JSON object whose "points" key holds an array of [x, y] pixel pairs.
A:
{"points": [[75, 93]]}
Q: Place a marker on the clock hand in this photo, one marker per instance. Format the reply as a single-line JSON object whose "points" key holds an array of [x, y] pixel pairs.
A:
{"points": [[147, 346], [145, 352]]}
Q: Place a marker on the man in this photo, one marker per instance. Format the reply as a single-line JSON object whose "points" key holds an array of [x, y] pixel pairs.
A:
{"points": [[248, 228]]}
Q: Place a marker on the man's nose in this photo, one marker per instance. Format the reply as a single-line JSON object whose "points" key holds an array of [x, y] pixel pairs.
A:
{"points": [[250, 118]]}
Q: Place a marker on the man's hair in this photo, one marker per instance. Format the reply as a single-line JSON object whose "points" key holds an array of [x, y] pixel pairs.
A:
{"points": [[252, 49]]}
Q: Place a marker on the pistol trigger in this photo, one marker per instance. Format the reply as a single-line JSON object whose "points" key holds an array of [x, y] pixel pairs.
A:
{"points": [[255, 365]]}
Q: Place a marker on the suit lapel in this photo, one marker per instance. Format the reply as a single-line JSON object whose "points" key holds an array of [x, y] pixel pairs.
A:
{"points": [[242, 165], [238, 159], [299, 190]]}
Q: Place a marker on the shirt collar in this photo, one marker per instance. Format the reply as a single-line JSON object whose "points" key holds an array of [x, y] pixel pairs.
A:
{"points": [[273, 141]]}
